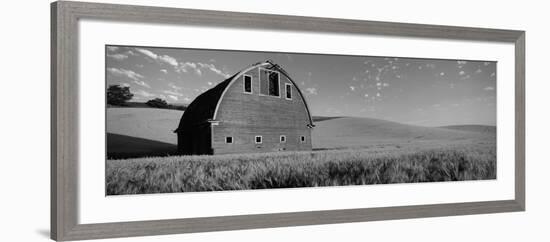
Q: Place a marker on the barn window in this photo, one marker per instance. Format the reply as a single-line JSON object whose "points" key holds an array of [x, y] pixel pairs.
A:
{"points": [[258, 139], [247, 84], [303, 139], [282, 139], [229, 140], [288, 91], [273, 83]]}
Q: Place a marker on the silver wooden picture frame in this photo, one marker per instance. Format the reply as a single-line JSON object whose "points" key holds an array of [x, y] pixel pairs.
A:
{"points": [[65, 16]]}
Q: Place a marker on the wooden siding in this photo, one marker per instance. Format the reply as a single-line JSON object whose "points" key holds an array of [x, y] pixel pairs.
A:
{"points": [[244, 116]]}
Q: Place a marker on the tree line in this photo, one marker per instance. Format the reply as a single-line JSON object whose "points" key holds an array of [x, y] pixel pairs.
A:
{"points": [[118, 95]]}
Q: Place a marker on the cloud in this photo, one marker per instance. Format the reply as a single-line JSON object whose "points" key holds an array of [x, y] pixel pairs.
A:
{"points": [[489, 88], [163, 71], [169, 60], [185, 66], [442, 73], [209, 83], [493, 74], [159, 58], [144, 93], [186, 99], [112, 48], [386, 84], [461, 73], [148, 53], [142, 83], [479, 71], [123, 72], [118, 57], [175, 98], [173, 93], [461, 62], [311, 91], [174, 86], [213, 68], [352, 88]]}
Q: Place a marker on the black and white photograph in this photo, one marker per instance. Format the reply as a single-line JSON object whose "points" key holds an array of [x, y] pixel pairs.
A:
{"points": [[196, 120]]}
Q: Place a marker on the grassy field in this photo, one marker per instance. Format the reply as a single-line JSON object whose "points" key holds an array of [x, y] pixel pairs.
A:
{"points": [[298, 169], [347, 151]]}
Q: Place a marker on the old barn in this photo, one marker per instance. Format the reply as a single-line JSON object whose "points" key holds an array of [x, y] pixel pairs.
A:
{"points": [[259, 109]]}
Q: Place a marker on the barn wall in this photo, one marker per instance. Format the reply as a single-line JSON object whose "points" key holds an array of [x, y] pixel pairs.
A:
{"points": [[243, 116], [195, 141]]}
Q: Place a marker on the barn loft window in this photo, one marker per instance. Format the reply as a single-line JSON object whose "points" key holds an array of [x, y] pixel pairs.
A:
{"points": [[258, 139], [288, 91], [303, 139], [247, 84], [282, 139], [273, 83], [229, 140]]}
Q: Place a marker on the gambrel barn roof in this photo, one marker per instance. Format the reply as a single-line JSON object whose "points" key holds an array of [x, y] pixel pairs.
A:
{"points": [[203, 109]]}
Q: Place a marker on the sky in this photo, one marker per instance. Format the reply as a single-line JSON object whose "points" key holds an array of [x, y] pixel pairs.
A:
{"points": [[425, 92]]}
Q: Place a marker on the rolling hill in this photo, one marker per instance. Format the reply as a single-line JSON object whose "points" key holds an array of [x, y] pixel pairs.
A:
{"points": [[368, 132], [135, 132], [473, 128]]}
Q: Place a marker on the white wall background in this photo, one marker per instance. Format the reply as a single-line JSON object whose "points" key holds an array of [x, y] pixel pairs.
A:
{"points": [[24, 136]]}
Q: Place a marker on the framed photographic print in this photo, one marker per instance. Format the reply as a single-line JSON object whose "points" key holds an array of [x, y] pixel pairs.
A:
{"points": [[170, 120]]}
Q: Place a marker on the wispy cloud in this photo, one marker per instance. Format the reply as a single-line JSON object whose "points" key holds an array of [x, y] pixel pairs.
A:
{"points": [[142, 83], [489, 88], [311, 91], [126, 73], [144, 93], [198, 68], [213, 68], [159, 58], [112, 48], [118, 57], [163, 71], [174, 86], [173, 93]]}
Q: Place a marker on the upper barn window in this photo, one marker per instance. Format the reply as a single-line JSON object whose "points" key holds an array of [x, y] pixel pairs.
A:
{"points": [[273, 80], [247, 83], [288, 91]]}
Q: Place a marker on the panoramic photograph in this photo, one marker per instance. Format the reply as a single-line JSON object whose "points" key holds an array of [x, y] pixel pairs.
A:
{"points": [[198, 120]]}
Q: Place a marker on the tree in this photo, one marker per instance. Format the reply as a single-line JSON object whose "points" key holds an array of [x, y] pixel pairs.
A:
{"points": [[157, 103], [118, 95]]}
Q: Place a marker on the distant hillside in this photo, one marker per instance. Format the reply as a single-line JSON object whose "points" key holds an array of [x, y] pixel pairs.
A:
{"points": [[363, 132], [322, 118], [144, 105], [472, 128], [136, 132]]}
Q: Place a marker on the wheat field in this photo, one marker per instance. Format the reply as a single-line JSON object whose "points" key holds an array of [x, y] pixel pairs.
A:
{"points": [[299, 169]]}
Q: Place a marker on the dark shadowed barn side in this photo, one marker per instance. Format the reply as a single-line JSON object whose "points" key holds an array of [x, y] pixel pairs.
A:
{"points": [[259, 109]]}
